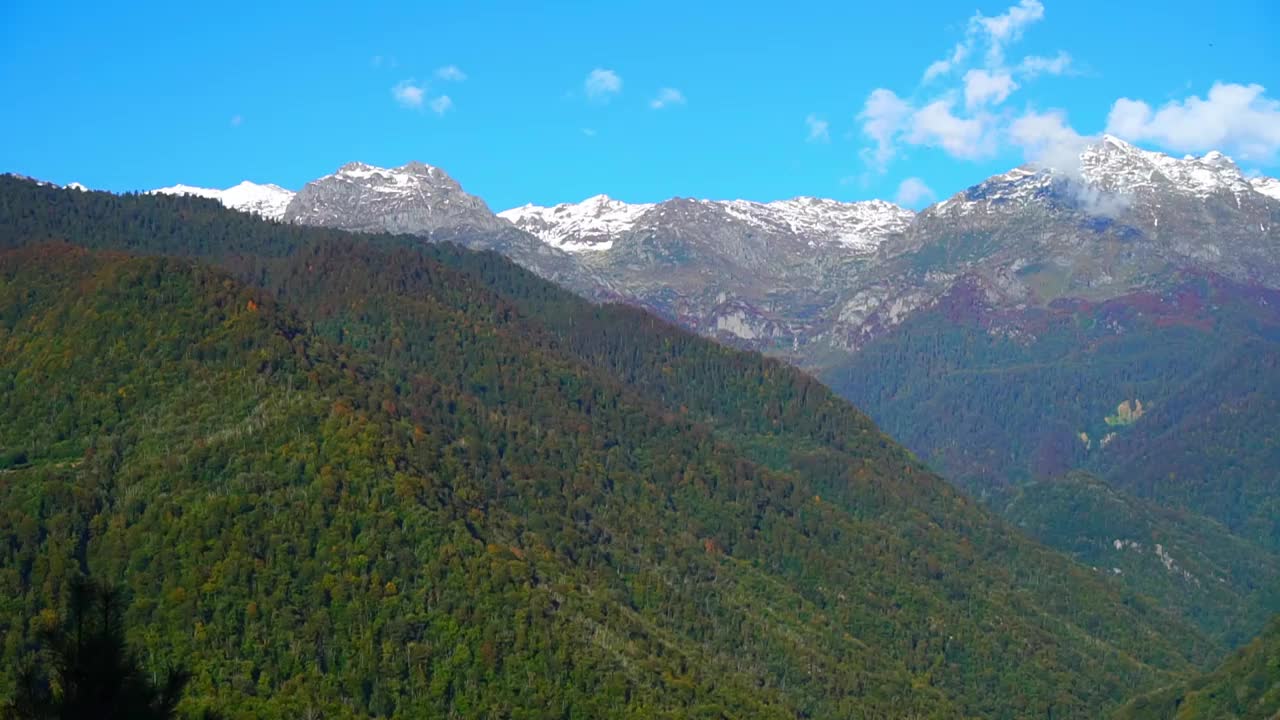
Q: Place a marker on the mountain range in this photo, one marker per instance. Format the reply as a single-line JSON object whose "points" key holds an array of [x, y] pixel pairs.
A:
{"points": [[1000, 334], [362, 475]]}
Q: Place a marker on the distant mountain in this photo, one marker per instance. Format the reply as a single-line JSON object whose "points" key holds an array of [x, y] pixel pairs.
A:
{"points": [[598, 222], [269, 201]]}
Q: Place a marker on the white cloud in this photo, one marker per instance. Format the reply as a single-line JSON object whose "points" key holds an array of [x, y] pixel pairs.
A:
{"points": [[913, 192], [932, 115], [996, 33], [1046, 139], [1238, 119], [882, 117], [666, 97], [982, 88], [441, 105], [964, 138], [1007, 27], [414, 96], [1034, 65], [819, 129], [589, 132], [236, 121], [451, 73], [409, 94], [942, 67], [601, 84]]}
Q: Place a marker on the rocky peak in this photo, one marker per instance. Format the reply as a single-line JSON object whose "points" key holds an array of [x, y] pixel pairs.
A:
{"points": [[414, 198]]}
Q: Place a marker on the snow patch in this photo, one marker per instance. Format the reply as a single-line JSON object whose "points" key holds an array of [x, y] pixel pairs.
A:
{"points": [[269, 201]]}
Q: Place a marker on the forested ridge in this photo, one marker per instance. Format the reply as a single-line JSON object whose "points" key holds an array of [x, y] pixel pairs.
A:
{"points": [[1170, 398], [1245, 687], [364, 477]]}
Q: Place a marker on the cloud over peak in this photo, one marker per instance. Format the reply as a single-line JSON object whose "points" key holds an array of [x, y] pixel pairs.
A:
{"points": [[1239, 119]]}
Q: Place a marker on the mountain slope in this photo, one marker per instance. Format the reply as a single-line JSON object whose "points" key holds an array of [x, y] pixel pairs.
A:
{"points": [[1245, 687], [448, 443], [1223, 583]]}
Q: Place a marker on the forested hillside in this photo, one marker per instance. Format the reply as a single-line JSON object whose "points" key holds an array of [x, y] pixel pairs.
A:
{"points": [[1245, 687], [364, 477], [1170, 398]]}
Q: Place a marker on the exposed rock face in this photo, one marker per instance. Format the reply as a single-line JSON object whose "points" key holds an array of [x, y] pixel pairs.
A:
{"points": [[419, 199], [415, 199]]}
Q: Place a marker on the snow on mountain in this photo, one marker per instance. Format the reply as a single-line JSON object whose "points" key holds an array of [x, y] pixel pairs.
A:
{"points": [[76, 186], [1112, 175], [1268, 186], [595, 223], [269, 201], [818, 221], [592, 224], [414, 198], [1115, 165]]}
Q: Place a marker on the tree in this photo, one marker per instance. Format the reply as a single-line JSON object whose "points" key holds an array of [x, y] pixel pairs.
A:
{"points": [[88, 670]]}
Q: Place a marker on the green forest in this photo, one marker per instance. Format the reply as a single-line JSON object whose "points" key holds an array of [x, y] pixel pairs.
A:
{"points": [[345, 476], [1245, 687]]}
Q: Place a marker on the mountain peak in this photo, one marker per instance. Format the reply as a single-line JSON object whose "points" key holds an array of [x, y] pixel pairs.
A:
{"points": [[415, 198], [268, 200]]}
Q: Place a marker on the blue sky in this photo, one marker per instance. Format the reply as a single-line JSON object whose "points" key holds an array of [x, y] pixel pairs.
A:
{"points": [[553, 104]]}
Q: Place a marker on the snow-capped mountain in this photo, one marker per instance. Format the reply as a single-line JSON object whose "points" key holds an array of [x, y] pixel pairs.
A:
{"points": [[415, 198], [593, 224], [1268, 186], [268, 200], [1114, 165], [807, 277], [860, 226], [598, 222]]}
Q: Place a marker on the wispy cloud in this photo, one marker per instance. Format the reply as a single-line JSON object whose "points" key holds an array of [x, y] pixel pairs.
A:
{"points": [[602, 84], [440, 105], [983, 87], [236, 121], [913, 193], [451, 73], [1034, 65], [415, 96], [589, 132], [975, 70], [409, 94], [819, 129], [383, 61], [937, 126], [882, 120], [666, 97]]}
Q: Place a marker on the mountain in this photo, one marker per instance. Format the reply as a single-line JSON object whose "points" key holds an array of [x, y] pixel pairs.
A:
{"points": [[996, 334], [1267, 186], [412, 199], [598, 222], [269, 201], [1245, 687], [499, 498], [593, 224]]}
